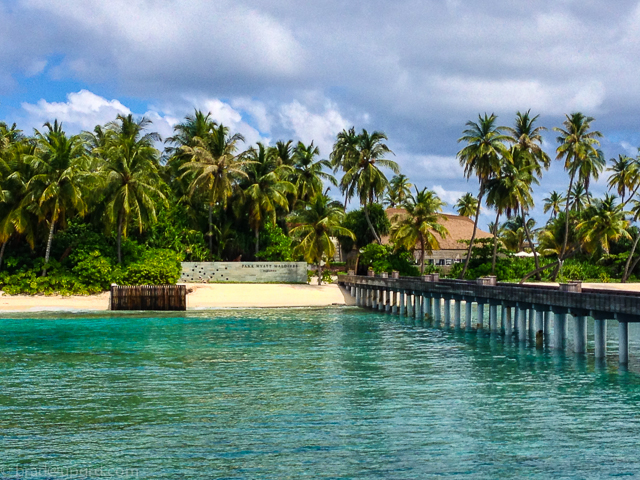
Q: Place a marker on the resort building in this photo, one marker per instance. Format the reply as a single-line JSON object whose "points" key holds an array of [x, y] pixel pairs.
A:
{"points": [[451, 249]]}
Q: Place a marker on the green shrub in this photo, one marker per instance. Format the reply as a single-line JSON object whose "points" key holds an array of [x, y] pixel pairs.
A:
{"points": [[382, 258], [94, 270], [276, 246], [156, 267]]}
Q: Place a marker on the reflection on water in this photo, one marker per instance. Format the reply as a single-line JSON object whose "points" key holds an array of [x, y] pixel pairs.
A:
{"points": [[338, 393]]}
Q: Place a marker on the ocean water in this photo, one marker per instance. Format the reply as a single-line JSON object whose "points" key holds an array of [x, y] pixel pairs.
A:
{"points": [[303, 393]]}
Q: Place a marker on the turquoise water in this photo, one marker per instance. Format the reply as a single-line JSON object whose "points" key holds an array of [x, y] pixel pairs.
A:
{"points": [[337, 393]]}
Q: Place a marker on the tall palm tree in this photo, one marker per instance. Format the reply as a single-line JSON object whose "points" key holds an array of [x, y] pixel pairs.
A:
{"points": [[285, 152], [398, 190], [580, 199], [266, 188], [577, 144], [132, 182], [215, 168], [343, 156], [604, 221], [625, 175], [308, 172], [485, 146], [363, 176], [317, 222], [589, 169], [553, 204], [513, 234], [56, 188], [420, 223], [467, 205]]}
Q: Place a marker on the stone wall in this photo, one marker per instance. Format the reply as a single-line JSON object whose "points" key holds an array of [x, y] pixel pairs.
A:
{"points": [[244, 272]]}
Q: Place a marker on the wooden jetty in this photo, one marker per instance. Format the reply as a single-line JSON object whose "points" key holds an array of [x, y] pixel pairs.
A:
{"points": [[149, 297]]}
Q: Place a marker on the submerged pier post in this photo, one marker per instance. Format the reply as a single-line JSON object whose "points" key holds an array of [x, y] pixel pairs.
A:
{"points": [[402, 304], [437, 307], [456, 314], [508, 326], [358, 299], [539, 326], [547, 326], [480, 319], [394, 302], [387, 303], [623, 343], [559, 330], [447, 312], [425, 306], [522, 323], [468, 304], [532, 322], [374, 298], [493, 317], [580, 334], [427, 302], [503, 319], [600, 337], [409, 297]]}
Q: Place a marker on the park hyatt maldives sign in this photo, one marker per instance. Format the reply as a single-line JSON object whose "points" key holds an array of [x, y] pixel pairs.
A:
{"points": [[244, 272]]}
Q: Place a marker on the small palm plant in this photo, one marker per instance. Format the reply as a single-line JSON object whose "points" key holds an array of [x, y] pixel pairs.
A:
{"points": [[317, 222], [420, 224]]}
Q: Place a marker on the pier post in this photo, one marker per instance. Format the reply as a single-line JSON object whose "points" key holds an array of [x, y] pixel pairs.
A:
{"points": [[580, 334], [559, 330], [374, 298], [480, 319], [623, 343], [539, 326], [353, 291], [428, 303], [467, 315], [358, 299], [532, 322], [516, 321], [420, 309], [503, 319], [394, 302], [425, 306], [447, 313], [387, 303], [456, 314], [547, 326], [600, 337], [437, 307], [522, 323], [493, 318], [409, 304], [508, 328], [402, 304]]}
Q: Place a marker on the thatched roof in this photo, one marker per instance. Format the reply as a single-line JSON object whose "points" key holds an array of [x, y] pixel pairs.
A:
{"points": [[460, 228]]}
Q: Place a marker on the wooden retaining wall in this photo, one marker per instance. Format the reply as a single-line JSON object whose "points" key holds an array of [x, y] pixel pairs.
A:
{"points": [[149, 297]]}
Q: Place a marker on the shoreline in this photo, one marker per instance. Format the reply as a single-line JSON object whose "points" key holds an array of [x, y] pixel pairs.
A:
{"points": [[204, 296]]}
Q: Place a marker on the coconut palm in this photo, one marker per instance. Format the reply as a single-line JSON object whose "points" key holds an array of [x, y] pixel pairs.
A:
{"points": [[485, 146], [131, 177], [317, 222], [56, 188], [343, 156], [466, 205], [635, 211], [513, 233], [577, 144], [580, 199], [625, 175], [266, 188], [398, 190], [553, 204], [215, 168], [308, 172], [285, 152], [589, 169], [604, 221], [420, 223], [362, 175]]}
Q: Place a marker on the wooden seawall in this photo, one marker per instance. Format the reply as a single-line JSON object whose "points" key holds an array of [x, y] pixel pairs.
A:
{"points": [[149, 297], [542, 306]]}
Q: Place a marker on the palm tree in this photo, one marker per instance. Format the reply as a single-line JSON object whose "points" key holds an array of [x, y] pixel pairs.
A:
{"points": [[363, 176], [307, 171], [553, 203], [420, 223], [625, 175], [580, 199], [132, 181], [55, 189], [215, 168], [467, 205], [513, 233], [577, 144], [635, 210], [343, 156], [398, 191], [285, 152], [481, 157], [266, 188], [590, 168], [604, 221], [318, 221]]}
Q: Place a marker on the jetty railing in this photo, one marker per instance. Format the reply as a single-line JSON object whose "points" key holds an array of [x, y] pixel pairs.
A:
{"points": [[149, 297], [525, 310]]}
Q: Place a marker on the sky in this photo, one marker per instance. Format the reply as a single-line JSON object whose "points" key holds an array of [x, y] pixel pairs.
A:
{"points": [[284, 69]]}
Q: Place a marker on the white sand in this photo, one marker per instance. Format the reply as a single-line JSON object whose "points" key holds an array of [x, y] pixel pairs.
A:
{"points": [[203, 296]]}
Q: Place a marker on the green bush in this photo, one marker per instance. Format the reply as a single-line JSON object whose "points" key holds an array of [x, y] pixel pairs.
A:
{"points": [[275, 245], [382, 258], [156, 267]]}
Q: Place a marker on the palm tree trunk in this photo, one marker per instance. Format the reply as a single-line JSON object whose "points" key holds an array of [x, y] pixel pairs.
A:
{"points": [[566, 224], [48, 252], [473, 235], [373, 230], [256, 231], [211, 228], [4, 245], [319, 271], [495, 244], [533, 250], [625, 276], [421, 256], [120, 224]]}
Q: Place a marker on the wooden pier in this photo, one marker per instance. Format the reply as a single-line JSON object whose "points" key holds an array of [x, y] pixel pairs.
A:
{"points": [[149, 297], [536, 312]]}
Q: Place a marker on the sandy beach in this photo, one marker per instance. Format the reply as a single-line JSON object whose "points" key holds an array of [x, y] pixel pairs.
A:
{"points": [[203, 296]]}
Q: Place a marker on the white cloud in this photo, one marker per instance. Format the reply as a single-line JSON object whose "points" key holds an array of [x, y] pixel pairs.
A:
{"points": [[449, 196]]}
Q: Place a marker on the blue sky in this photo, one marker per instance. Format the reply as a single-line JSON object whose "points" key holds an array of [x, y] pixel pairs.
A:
{"points": [[278, 69]]}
